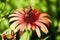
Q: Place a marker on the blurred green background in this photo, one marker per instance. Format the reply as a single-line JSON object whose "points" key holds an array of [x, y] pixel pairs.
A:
{"points": [[51, 7]]}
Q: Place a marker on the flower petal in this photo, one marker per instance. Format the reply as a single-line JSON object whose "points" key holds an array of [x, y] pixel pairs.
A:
{"points": [[38, 32], [17, 12], [22, 11], [15, 18], [16, 15], [22, 26], [28, 26], [44, 18], [21, 32], [44, 21], [17, 29], [42, 27], [44, 14], [13, 25], [33, 27]]}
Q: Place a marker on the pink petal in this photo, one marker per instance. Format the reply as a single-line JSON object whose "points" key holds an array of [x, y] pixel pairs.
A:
{"points": [[22, 11], [44, 21], [22, 26], [21, 32], [17, 15], [17, 12], [38, 32], [28, 26], [15, 18], [44, 18], [17, 29], [44, 14], [13, 25], [33, 27], [42, 27]]}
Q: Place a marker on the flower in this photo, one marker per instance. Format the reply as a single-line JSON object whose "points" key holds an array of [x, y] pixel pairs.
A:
{"points": [[29, 18], [7, 36]]}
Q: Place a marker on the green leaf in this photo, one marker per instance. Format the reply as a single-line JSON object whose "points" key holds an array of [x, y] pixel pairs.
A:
{"points": [[55, 22], [58, 27], [26, 35], [15, 4], [6, 23], [58, 37], [2, 5]]}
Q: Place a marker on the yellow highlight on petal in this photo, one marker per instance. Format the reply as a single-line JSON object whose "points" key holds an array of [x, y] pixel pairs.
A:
{"points": [[38, 32]]}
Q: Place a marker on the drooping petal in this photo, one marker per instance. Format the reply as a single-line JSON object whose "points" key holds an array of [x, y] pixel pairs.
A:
{"points": [[22, 26], [15, 18], [44, 14], [13, 25], [15, 30], [16, 15], [22, 11], [28, 26], [17, 12], [21, 32], [44, 18], [38, 32], [42, 27], [48, 20], [44, 21], [33, 27]]}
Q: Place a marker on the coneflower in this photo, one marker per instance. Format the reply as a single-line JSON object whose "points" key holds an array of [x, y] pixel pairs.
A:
{"points": [[29, 18], [7, 36]]}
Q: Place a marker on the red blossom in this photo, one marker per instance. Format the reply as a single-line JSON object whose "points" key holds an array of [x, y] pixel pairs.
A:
{"points": [[29, 18]]}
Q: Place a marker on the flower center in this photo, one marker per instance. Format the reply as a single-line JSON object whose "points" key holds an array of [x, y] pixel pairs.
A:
{"points": [[30, 17]]}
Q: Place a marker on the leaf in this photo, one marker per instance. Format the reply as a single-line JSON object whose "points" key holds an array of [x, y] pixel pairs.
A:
{"points": [[6, 23], [55, 22], [58, 37], [26, 35], [2, 5], [15, 4], [58, 27]]}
